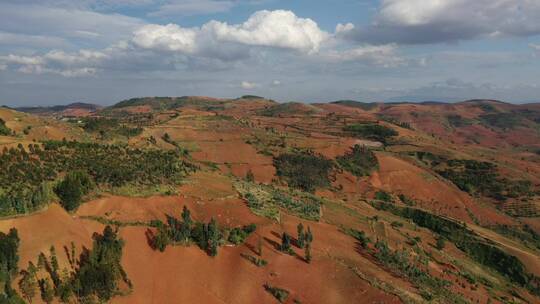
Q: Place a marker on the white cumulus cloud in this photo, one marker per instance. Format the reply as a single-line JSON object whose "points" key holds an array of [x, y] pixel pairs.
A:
{"points": [[421, 21], [248, 85], [274, 29], [81, 63], [170, 37], [278, 28]]}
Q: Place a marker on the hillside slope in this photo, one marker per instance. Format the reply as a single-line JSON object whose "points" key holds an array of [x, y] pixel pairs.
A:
{"points": [[404, 203]]}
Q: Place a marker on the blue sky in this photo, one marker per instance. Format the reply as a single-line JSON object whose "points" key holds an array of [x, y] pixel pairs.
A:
{"points": [[103, 51]]}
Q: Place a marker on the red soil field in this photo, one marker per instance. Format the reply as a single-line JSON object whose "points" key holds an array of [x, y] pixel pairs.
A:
{"points": [[54, 226]]}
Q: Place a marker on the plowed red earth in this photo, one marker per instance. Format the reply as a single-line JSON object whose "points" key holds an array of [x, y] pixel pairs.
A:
{"points": [[52, 227], [188, 275]]}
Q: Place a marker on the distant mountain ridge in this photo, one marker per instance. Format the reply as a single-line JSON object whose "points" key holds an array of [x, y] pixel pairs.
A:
{"points": [[155, 103], [75, 108]]}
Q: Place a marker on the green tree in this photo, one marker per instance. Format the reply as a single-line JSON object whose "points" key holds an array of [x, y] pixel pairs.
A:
{"points": [[309, 236], [279, 293], [100, 271], [383, 196], [47, 291], [28, 283], [440, 243], [54, 260], [9, 257], [307, 250], [187, 222], [75, 185], [72, 259], [306, 171], [186, 215], [161, 240], [213, 237], [285, 242], [42, 261], [249, 176], [301, 235], [4, 130], [166, 137]]}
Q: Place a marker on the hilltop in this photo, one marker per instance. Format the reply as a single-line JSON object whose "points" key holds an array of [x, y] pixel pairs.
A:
{"points": [[70, 110]]}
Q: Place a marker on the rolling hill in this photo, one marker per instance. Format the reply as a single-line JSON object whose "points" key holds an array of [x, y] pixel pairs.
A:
{"points": [[248, 200]]}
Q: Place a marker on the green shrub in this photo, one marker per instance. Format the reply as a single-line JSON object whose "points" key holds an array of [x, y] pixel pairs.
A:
{"points": [[285, 243], [360, 161], [256, 261], [383, 196], [279, 293], [501, 120], [360, 236], [440, 243], [237, 235], [4, 130], [75, 185], [457, 121], [407, 201], [371, 131], [306, 171], [250, 177]]}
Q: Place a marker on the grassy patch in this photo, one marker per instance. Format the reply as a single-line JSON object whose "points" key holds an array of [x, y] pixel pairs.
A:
{"points": [[267, 201], [413, 268], [106, 221], [524, 234], [481, 250], [457, 121], [478, 177], [135, 190], [501, 120]]}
